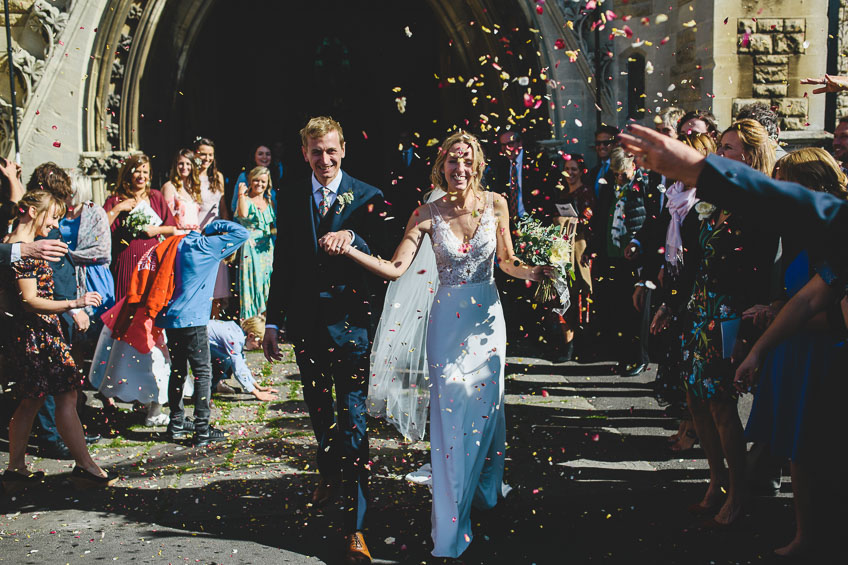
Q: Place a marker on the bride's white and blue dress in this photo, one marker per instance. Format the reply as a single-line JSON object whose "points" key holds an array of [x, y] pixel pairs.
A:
{"points": [[466, 352]]}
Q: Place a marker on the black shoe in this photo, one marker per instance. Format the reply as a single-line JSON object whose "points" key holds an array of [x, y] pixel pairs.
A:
{"points": [[567, 353], [634, 370], [14, 482], [92, 439], [210, 435], [55, 450], [82, 479], [180, 430]]}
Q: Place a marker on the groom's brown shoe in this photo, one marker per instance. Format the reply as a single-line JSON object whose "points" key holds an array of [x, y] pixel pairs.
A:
{"points": [[326, 491], [357, 552]]}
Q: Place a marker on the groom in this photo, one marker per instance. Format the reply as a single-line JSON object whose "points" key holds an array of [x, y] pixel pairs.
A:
{"points": [[323, 302]]}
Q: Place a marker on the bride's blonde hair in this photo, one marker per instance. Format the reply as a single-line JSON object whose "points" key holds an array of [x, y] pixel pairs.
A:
{"points": [[478, 161]]}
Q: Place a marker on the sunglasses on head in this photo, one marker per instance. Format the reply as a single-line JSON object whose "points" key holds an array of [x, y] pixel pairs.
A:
{"points": [[605, 142]]}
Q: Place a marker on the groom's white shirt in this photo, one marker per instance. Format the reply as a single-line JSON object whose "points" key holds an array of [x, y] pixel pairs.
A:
{"points": [[318, 194]]}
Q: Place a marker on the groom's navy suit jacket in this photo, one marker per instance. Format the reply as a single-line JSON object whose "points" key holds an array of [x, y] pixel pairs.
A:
{"points": [[313, 293]]}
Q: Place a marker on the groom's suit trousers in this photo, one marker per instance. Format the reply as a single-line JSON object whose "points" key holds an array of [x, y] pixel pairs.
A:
{"points": [[340, 426]]}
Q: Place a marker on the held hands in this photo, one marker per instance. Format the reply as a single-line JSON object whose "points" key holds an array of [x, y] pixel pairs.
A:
{"points": [[336, 242], [48, 249], [831, 83]]}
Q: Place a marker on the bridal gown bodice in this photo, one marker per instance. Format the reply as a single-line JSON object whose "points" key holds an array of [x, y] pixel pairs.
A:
{"points": [[466, 350], [465, 263]]}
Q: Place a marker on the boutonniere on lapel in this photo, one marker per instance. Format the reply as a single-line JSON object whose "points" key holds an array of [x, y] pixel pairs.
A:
{"points": [[344, 199], [704, 210]]}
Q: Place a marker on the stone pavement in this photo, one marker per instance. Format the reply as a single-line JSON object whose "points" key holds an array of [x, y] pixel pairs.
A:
{"points": [[593, 479]]}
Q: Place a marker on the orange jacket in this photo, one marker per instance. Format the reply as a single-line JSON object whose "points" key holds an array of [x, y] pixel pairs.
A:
{"points": [[152, 284]]}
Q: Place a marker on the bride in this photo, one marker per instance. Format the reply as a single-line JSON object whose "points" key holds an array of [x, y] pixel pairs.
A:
{"points": [[466, 335]]}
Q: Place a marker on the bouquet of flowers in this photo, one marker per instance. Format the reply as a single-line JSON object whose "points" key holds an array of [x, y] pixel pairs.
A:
{"points": [[538, 244], [137, 221]]}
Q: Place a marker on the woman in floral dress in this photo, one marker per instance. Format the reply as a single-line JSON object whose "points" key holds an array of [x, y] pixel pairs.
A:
{"points": [[256, 213], [36, 354], [734, 273]]}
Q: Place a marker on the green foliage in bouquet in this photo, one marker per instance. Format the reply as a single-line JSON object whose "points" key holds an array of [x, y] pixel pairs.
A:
{"points": [[539, 244], [137, 221]]}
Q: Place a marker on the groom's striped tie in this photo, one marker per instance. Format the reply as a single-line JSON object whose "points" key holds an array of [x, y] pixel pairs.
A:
{"points": [[324, 206]]}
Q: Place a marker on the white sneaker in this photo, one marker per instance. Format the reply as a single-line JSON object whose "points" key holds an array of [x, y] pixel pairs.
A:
{"points": [[157, 420]]}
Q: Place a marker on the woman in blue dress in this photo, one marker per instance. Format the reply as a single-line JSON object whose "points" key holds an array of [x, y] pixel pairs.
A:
{"points": [[781, 413]]}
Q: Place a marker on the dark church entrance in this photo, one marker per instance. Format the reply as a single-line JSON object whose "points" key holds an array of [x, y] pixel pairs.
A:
{"points": [[259, 68]]}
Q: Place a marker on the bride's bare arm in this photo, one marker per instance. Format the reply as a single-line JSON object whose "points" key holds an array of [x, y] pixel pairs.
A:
{"points": [[507, 260], [418, 225]]}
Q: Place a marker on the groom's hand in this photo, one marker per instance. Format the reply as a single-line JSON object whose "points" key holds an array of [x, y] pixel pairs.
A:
{"points": [[270, 345], [336, 242]]}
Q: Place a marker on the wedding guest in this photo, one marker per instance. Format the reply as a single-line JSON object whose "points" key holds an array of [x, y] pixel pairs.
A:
{"points": [[185, 319], [129, 239], [698, 121], [213, 206], [227, 344], [674, 270], [182, 191], [52, 178], [261, 157], [840, 142], [255, 211], [39, 357], [620, 214], [793, 371], [599, 175], [734, 273], [667, 119], [581, 198], [768, 118]]}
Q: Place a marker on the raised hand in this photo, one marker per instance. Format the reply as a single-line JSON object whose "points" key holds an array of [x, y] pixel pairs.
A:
{"points": [[832, 83]]}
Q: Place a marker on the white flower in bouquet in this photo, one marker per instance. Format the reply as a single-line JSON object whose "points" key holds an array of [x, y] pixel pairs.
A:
{"points": [[137, 221], [704, 210]]}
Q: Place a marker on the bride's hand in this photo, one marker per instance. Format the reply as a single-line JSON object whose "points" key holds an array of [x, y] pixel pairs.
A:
{"points": [[542, 272]]}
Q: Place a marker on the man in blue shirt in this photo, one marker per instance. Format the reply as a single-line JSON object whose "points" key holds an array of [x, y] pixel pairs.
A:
{"points": [[185, 320]]}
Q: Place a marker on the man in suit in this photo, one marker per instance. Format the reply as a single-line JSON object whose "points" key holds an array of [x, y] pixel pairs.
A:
{"points": [[525, 182], [600, 175], [323, 301]]}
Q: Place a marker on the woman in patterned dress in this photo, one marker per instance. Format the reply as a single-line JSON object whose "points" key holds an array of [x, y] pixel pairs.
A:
{"points": [[734, 273], [37, 353], [256, 212]]}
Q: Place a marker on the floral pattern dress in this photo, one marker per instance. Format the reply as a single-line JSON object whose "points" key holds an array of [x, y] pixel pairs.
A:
{"points": [[36, 353], [257, 258], [734, 274]]}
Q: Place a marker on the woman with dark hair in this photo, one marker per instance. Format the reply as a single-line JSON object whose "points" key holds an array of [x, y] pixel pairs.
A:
{"points": [[212, 203], [182, 191], [261, 156], [581, 198], [213, 206], [133, 196]]}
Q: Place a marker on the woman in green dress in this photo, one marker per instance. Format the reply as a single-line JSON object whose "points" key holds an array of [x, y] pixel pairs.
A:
{"points": [[255, 212]]}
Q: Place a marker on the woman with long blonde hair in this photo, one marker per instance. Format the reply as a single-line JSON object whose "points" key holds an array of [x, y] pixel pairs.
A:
{"points": [[466, 335], [256, 212]]}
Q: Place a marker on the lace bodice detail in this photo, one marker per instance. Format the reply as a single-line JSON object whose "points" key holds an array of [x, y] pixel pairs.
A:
{"points": [[465, 263]]}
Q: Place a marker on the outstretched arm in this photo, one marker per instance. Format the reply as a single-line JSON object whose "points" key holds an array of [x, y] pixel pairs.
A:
{"points": [[418, 225]]}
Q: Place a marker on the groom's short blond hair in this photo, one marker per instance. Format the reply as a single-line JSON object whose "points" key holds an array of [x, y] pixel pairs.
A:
{"points": [[319, 127]]}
